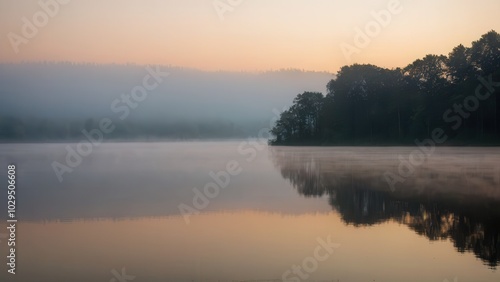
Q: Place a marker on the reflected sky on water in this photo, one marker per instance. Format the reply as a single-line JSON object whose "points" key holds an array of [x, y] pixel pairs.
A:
{"points": [[119, 208]]}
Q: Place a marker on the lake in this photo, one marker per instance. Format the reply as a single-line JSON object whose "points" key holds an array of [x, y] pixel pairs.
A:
{"points": [[243, 211]]}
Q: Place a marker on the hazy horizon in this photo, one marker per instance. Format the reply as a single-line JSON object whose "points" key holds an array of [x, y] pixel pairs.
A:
{"points": [[62, 97], [248, 36], [250, 140]]}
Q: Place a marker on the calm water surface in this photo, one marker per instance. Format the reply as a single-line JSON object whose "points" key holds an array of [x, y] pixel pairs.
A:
{"points": [[119, 211]]}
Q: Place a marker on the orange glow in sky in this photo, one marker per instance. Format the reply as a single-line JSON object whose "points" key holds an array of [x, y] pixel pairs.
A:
{"points": [[249, 35]]}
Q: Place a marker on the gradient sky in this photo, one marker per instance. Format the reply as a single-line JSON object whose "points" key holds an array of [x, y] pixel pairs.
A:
{"points": [[256, 35]]}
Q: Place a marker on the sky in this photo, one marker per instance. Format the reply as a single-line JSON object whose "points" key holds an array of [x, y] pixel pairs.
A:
{"points": [[241, 35]]}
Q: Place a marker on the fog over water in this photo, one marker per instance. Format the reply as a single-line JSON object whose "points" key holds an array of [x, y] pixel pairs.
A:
{"points": [[61, 98], [120, 208]]}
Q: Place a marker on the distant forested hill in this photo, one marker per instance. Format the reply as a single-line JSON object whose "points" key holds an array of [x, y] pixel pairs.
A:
{"points": [[56, 101]]}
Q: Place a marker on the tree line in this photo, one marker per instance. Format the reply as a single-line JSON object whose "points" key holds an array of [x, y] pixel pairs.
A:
{"points": [[369, 105], [31, 129]]}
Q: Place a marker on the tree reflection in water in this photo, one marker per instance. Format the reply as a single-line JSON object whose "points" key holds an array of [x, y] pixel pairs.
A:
{"points": [[455, 194]]}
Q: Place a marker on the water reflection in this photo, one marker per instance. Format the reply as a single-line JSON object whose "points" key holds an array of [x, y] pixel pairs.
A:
{"points": [[121, 208], [455, 194], [137, 180]]}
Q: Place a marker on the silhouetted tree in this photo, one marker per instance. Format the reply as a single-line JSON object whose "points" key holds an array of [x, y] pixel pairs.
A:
{"points": [[366, 104]]}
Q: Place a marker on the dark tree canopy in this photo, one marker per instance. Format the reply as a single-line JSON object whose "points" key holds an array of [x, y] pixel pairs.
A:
{"points": [[370, 105]]}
